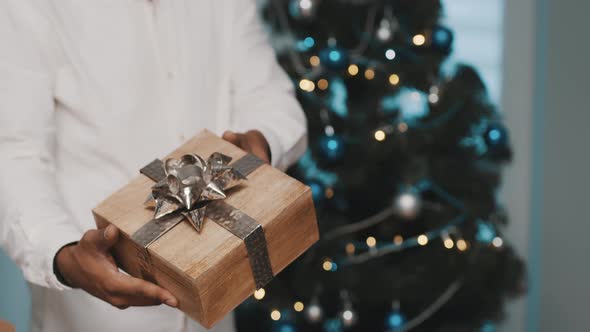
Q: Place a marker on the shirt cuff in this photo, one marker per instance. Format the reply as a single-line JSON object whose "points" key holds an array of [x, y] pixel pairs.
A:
{"points": [[276, 151], [52, 247]]}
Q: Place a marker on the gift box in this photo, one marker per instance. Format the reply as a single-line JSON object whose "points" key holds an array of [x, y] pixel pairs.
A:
{"points": [[211, 224]]}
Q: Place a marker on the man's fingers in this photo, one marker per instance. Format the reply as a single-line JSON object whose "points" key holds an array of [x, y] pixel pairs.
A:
{"points": [[101, 239], [231, 137], [138, 292], [110, 236]]}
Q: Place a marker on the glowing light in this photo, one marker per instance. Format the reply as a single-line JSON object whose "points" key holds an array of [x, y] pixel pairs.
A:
{"points": [[353, 70], [306, 85], [398, 240], [327, 266], [433, 98], [419, 40], [334, 55], [259, 294], [448, 242], [329, 193], [461, 245], [402, 127], [497, 242], [309, 42], [350, 248], [347, 315], [407, 204], [390, 54], [380, 135], [332, 144], [371, 241], [298, 306], [494, 134], [323, 84], [393, 79], [329, 130], [422, 240], [275, 315], [396, 320], [369, 74], [305, 4], [314, 60]]}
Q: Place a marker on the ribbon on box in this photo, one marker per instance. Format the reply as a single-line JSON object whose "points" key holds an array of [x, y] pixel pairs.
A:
{"points": [[194, 189]]}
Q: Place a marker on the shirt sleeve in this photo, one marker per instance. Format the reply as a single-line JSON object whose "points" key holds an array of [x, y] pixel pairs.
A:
{"points": [[263, 97], [34, 223]]}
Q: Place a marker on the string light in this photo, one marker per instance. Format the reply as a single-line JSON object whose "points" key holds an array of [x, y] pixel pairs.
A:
{"points": [[422, 240], [329, 130], [419, 40], [327, 265], [275, 315], [433, 98], [323, 84], [314, 60], [353, 70], [350, 248], [398, 240], [402, 127], [371, 241], [448, 242], [497, 242], [298, 306], [305, 4], [393, 79], [461, 245], [390, 54], [369, 74], [259, 294], [329, 193], [380, 135], [306, 85]]}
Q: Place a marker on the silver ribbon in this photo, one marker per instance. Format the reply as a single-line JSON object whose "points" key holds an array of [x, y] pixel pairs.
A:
{"points": [[192, 189]]}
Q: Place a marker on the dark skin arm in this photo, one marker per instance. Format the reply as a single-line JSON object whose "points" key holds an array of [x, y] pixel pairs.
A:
{"points": [[89, 264]]}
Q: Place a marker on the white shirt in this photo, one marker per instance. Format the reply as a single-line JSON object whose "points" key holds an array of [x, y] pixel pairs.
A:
{"points": [[90, 91]]}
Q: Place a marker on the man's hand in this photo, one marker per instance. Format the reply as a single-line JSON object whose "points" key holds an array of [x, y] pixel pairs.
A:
{"points": [[89, 265], [252, 141]]}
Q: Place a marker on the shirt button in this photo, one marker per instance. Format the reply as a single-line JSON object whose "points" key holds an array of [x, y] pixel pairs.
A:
{"points": [[170, 75]]}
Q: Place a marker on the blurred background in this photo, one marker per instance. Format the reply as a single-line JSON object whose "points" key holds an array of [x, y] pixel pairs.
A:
{"points": [[447, 162]]}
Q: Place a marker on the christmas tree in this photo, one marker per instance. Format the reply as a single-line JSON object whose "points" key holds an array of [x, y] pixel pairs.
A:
{"points": [[404, 163]]}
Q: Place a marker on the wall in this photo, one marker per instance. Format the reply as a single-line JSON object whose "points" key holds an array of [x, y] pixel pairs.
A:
{"points": [[545, 91], [562, 150]]}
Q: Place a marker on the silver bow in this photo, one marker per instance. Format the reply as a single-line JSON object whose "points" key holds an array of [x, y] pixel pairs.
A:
{"points": [[190, 184]]}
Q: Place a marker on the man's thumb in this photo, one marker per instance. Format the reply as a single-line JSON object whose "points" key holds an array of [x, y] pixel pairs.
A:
{"points": [[109, 236]]}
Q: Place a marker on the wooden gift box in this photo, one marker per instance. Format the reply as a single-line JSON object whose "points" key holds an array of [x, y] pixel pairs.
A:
{"points": [[210, 272]]}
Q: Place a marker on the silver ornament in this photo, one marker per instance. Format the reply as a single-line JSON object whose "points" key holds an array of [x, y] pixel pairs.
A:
{"points": [[407, 204]]}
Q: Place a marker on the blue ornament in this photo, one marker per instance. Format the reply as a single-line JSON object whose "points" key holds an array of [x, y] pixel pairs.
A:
{"points": [[395, 320], [334, 58], [488, 326], [333, 325], [317, 190], [496, 136], [332, 147], [313, 172], [337, 97], [485, 232], [411, 103], [305, 44], [284, 327], [442, 38]]}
